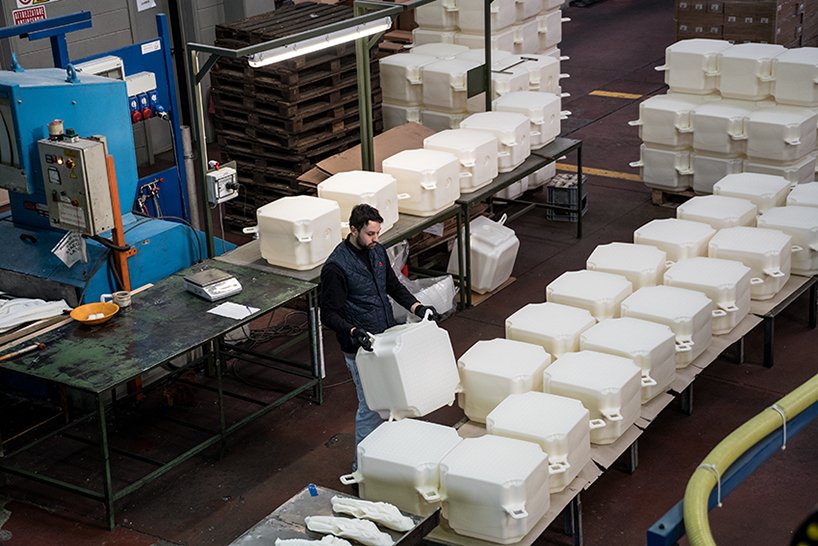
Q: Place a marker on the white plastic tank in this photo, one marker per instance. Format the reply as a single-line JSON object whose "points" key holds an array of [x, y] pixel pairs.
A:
{"points": [[494, 488], [680, 239], [439, 50], [426, 36], [691, 66], [553, 326], [765, 191], [719, 127], [526, 9], [542, 109], [667, 120], [795, 77], [527, 37], [479, 54], [298, 232], [429, 177], [561, 426], [781, 133], [505, 78], [550, 28], [687, 312], [494, 250], [441, 121], [665, 169], [718, 211], [745, 70], [512, 132], [402, 78], [651, 346], [441, 15], [544, 72], [445, 84], [476, 150], [352, 188], [800, 171], [502, 40], [608, 385], [395, 115], [542, 176], [804, 195], [800, 223], [767, 252], [471, 18], [548, 5], [492, 370], [598, 292], [410, 372], [707, 170], [642, 265], [725, 282], [399, 463], [514, 190]]}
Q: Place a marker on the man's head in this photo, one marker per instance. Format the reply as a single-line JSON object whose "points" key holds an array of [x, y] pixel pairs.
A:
{"points": [[364, 226]]}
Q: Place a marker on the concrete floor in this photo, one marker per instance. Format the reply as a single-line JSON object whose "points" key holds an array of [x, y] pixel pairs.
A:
{"points": [[613, 46]]}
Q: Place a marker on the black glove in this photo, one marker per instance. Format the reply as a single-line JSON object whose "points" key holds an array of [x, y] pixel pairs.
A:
{"points": [[362, 337], [420, 311]]}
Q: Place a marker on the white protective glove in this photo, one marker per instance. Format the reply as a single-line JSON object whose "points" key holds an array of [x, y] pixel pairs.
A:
{"points": [[361, 530], [386, 514]]}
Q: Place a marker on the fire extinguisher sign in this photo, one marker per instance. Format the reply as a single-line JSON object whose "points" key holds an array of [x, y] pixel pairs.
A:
{"points": [[28, 15]]}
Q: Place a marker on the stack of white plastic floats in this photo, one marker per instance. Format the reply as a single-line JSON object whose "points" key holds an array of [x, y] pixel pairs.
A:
{"points": [[730, 109]]}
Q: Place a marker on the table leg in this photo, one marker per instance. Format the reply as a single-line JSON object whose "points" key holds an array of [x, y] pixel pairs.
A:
{"points": [[740, 351], [632, 457], [686, 400], [461, 278], [813, 303], [769, 339], [107, 487], [218, 369], [316, 349], [467, 252], [575, 508]]}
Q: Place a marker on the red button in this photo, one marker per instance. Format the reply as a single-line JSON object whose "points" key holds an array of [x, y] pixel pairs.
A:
{"points": [[136, 116]]}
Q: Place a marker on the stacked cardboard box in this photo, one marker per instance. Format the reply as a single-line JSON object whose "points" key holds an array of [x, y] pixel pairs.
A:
{"points": [[741, 21]]}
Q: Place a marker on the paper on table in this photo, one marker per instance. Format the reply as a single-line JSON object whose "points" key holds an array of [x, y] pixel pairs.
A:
{"points": [[233, 310]]}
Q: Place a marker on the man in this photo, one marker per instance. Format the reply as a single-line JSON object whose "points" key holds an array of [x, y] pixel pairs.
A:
{"points": [[355, 282]]}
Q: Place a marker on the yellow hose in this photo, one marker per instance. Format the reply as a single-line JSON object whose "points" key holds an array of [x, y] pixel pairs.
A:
{"points": [[701, 484]]}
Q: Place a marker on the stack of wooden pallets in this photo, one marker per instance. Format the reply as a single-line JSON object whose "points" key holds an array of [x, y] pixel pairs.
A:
{"points": [[276, 122]]}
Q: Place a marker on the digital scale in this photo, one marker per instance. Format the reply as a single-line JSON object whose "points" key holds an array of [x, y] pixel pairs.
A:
{"points": [[212, 284]]}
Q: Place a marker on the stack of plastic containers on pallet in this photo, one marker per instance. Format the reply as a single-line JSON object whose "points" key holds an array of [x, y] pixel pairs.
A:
{"points": [[730, 109]]}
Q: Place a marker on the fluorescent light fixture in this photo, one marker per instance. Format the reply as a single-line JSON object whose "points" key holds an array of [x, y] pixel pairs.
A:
{"points": [[318, 43]]}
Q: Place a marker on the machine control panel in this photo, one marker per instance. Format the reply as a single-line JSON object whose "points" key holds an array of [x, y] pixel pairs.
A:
{"points": [[76, 185]]}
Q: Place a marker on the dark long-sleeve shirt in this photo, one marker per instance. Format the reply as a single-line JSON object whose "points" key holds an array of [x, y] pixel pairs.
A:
{"points": [[334, 291]]}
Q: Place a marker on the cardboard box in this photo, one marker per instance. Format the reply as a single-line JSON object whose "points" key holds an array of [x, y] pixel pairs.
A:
{"points": [[683, 5], [715, 6]]}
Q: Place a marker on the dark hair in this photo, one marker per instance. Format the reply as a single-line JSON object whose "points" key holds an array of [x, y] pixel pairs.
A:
{"points": [[362, 214]]}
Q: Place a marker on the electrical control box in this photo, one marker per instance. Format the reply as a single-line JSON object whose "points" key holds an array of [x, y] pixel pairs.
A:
{"points": [[76, 185], [222, 185]]}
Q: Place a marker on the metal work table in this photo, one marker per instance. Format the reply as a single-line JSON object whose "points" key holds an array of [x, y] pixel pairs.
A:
{"points": [[407, 225], [538, 159], [287, 521], [165, 322]]}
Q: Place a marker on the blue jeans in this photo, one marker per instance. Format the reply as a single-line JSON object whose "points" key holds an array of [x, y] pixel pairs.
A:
{"points": [[366, 420]]}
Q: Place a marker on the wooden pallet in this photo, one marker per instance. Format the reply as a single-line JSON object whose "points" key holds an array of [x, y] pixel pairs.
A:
{"points": [[282, 22], [671, 199]]}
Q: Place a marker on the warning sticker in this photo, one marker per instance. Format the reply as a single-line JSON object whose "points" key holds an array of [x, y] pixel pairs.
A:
{"points": [[150, 47], [73, 175], [71, 215], [28, 15], [29, 3]]}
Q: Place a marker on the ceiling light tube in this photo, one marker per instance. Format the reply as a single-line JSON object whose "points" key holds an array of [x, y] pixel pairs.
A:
{"points": [[311, 45]]}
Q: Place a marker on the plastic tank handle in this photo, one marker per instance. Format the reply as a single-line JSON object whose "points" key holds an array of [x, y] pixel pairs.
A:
{"points": [[611, 415], [597, 423], [517, 513], [717, 313], [796, 248], [558, 468], [775, 273], [431, 495], [756, 280], [648, 381], [250, 230], [349, 479]]}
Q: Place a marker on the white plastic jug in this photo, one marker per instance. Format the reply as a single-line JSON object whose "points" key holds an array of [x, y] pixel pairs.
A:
{"points": [[687, 312], [745, 70], [725, 282], [399, 463], [544, 72], [445, 84], [402, 78], [560, 425], [542, 109], [513, 132], [430, 178], [598, 292], [494, 488], [298, 232], [410, 372], [492, 370], [804, 195], [800, 223], [553, 326], [608, 385], [352, 188], [719, 127], [765, 191], [651, 346], [680, 239], [767, 252], [493, 253], [718, 211], [476, 150], [642, 265]]}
